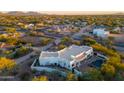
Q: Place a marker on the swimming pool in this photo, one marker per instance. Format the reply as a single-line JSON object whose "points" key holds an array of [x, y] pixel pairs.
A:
{"points": [[97, 63]]}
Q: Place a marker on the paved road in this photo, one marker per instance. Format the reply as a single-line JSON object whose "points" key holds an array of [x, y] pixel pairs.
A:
{"points": [[83, 31], [118, 42], [119, 38], [22, 59], [119, 49]]}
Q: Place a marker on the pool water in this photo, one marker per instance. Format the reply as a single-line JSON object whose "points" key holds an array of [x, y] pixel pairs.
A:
{"points": [[97, 63]]}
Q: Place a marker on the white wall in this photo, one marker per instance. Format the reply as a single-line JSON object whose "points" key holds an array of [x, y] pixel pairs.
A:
{"points": [[89, 52], [53, 60], [39, 68], [48, 70]]}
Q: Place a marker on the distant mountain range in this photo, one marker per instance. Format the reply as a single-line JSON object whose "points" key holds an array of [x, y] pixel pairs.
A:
{"points": [[120, 13], [23, 13]]}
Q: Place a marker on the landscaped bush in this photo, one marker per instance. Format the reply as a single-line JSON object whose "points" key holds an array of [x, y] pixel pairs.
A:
{"points": [[89, 41], [40, 78], [61, 46], [71, 77], [45, 41], [6, 64], [66, 40], [77, 43], [91, 74], [103, 49], [108, 71], [21, 51], [113, 65]]}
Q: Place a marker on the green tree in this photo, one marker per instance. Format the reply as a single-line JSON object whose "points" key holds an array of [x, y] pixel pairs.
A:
{"points": [[6, 64], [108, 71], [71, 77], [45, 41], [91, 75], [89, 41], [10, 30], [66, 40], [61, 46], [77, 43], [11, 41], [40, 78], [21, 51]]}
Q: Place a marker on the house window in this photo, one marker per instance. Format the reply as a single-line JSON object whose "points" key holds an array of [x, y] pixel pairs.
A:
{"points": [[64, 64], [55, 64], [88, 56], [72, 65], [95, 54]]}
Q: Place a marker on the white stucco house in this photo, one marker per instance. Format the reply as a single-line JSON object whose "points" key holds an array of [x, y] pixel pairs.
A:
{"points": [[29, 26], [68, 58], [100, 32], [117, 29]]}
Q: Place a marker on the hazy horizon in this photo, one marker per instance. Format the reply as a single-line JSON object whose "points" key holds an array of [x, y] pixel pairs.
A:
{"points": [[71, 12], [81, 12]]}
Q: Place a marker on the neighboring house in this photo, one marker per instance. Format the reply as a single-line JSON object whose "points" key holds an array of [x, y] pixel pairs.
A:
{"points": [[117, 29], [100, 32], [29, 26], [122, 29], [62, 29], [68, 58], [77, 36], [84, 23]]}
